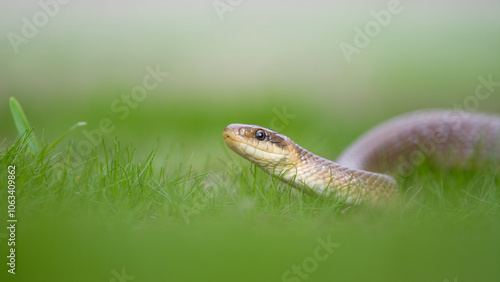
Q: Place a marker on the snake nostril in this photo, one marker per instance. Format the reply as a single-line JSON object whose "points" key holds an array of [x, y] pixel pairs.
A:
{"points": [[227, 132]]}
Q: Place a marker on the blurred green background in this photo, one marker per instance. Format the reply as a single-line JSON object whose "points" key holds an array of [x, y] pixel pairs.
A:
{"points": [[246, 62]]}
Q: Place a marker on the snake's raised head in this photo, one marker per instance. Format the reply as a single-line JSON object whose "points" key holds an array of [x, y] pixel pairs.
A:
{"points": [[266, 148]]}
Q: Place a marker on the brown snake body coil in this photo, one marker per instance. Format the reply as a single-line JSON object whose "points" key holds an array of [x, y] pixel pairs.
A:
{"points": [[444, 137]]}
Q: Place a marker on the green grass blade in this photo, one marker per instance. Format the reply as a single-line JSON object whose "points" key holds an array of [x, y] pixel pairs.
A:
{"points": [[75, 126], [22, 125]]}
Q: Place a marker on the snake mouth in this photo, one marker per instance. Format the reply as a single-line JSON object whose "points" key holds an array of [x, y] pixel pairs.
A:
{"points": [[228, 134], [230, 137], [233, 140]]}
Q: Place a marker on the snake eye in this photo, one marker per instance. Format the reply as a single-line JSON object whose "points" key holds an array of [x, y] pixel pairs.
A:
{"points": [[260, 135]]}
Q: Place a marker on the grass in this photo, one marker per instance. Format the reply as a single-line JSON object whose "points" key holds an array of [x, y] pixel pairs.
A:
{"points": [[157, 217]]}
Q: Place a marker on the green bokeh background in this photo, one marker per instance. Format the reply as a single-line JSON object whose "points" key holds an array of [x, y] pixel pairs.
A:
{"points": [[259, 59]]}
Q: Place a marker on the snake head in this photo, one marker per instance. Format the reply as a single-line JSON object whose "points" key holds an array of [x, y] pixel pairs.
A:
{"points": [[265, 148]]}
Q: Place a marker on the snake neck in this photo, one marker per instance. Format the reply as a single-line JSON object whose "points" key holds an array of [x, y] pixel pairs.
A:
{"points": [[310, 172]]}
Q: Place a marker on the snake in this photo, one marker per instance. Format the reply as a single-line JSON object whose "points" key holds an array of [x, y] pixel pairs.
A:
{"points": [[367, 170]]}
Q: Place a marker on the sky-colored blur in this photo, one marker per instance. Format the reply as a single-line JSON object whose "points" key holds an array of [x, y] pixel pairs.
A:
{"points": [[86, 44]]}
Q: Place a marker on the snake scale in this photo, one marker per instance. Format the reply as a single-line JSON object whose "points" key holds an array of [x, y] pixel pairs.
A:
{"points": [[365, 170]]}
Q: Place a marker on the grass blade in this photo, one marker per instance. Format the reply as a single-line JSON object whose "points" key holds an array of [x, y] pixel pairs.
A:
{"points": [[22, 125], [75, 126]]}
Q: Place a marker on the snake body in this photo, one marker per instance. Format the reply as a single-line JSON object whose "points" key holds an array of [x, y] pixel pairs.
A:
{"points": [[444, 137]]}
